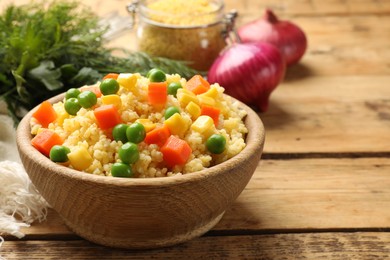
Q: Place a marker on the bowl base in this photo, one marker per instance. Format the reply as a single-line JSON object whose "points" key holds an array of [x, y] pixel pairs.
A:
{"points": [[133, 243]]}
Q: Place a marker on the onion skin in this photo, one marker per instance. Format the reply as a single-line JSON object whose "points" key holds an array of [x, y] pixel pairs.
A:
{"points": [[287, 36], [249, 72]]}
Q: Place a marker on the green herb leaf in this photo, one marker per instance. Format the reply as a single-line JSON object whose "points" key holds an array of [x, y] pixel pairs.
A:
{"points": [[47, 74], [86, 76], [21, 90]]}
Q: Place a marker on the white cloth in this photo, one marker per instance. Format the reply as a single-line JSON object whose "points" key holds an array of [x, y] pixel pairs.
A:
{"points": [[20, 202]]}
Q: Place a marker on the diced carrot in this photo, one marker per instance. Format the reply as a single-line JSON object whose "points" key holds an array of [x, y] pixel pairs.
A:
{"points": [[175, 151], [157, 136], [212, 112], [94, 88], [107, 116], [45, 114], [111, 76], [157, 93], [198, 85], [45, 140]]}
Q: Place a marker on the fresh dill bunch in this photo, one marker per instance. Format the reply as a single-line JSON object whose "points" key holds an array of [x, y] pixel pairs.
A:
{"points": [[47, 48]]}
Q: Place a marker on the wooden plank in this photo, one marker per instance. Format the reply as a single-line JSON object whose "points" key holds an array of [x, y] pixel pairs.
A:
{"points": [[314, 7], [281, 246], [300, 195], [329, 114], [313, 194], [345, 46]]}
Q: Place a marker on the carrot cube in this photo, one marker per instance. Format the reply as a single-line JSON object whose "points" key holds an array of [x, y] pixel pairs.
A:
{"points": [[45, 140], [198, 85], [111, 76], [107, 116], [94, 88], [157, 136], [175, 151], [45, 114], [212, 112], [157, 93]]}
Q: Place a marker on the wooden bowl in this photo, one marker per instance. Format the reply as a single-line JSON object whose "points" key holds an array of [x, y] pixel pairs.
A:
{"points": [[141, 213]]}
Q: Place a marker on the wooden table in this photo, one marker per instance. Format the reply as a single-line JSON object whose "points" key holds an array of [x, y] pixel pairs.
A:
{"points": [[322, 189]]}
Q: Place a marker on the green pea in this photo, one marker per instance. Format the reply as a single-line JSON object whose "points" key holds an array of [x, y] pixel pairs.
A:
{"points": [[87, 99], [128, 153], [119, 133], [72, 106], [216, 143], [59, 153], [121, 170], [173, 87], [109, 86], [170, 111], [135, 133], [156, 75], [72, 93]]}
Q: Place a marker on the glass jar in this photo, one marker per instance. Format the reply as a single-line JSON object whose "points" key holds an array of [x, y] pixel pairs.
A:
{"points": [[196, 36]]}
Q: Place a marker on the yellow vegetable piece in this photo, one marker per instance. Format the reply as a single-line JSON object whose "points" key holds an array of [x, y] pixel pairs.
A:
{"points": [[204, 125], [177, 124], [127, 80], [80, 159], [205, 100], [149, 125], [112, 99], [61, 117], [185, 96], [193, 109], [212, 93]]}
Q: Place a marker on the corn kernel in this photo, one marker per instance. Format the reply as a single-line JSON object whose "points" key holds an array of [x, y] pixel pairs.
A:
{"points": [[193, 109], [224, 110], [80, 159], [204, 125], [185, 96], [112, 99], [212, 93], [127, 80], [149, 125], [61, 117], [176, 124], [205, 100]]}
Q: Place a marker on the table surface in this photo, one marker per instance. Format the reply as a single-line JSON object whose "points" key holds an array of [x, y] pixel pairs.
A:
{"points": [[322, 188]]}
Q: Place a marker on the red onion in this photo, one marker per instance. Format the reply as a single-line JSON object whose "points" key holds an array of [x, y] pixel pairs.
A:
{"points": [[249, 72], [288, 37]]}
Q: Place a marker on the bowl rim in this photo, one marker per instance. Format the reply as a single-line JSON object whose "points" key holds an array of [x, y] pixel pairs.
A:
{"points": [[252, 121]]}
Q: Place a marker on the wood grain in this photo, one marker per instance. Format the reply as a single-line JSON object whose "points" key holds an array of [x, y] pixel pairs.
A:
{"points": [[313, 194], [332, 115], [355, 246], [343, 46], [312, 7]]}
